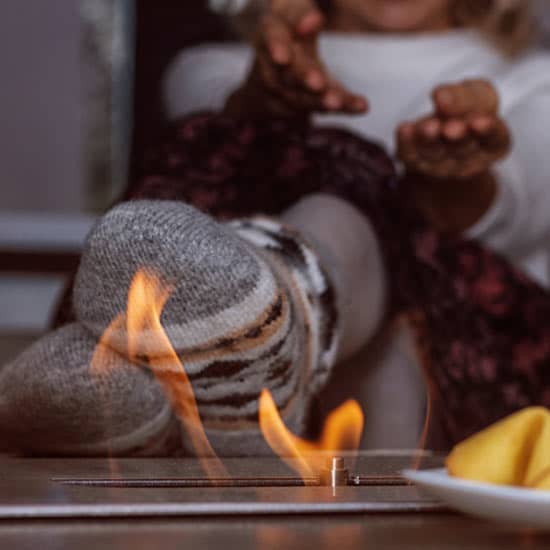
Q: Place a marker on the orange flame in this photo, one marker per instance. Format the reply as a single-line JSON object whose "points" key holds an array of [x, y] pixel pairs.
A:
{"points": [[423, 439], [341, 432], [142, 324], [146, 299]]}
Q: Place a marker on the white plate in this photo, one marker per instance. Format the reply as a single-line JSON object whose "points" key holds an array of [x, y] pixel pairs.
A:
{"points": [[496, 502]]}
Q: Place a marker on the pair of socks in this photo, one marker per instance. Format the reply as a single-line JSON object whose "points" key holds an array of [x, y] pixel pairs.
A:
{"points": [[250, 307]]}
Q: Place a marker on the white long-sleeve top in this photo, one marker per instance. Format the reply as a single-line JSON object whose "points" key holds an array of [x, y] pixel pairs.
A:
{"points": [[397, 75]]}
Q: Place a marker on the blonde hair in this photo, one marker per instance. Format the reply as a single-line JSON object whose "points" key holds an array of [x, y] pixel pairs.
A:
{"points": [[509, 24]]}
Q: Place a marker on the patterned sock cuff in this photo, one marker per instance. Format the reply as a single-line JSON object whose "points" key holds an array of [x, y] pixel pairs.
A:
{"points": [[314, 292]]}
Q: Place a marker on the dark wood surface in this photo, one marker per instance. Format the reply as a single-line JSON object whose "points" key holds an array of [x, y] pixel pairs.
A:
{"points": [[376, 532]]}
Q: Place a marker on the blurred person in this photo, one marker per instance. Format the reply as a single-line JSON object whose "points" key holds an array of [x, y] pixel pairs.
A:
{"points": [[454, 90], [278, 301]]}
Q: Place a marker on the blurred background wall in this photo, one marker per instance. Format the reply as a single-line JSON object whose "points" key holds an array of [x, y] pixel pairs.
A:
{"points": [[65, 107], [79, 104], [40, 135]]}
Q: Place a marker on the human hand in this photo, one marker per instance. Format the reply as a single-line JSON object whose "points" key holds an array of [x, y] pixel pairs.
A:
{"points": [[288, 67], [461, 139]]}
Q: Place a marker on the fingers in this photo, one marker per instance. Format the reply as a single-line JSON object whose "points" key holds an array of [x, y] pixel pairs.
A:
{"points": [[463, 138], [457, 129], [466, 98], [297, 76], [432, 128], [307, 70], [311, 23], [498, 141], [338, 98], [454, 129], [427, 156], [482, 125], [455, 148], [276, 42], [306, 88], [406, 147], [303, 16], [289, 64], [420, 143], [284, 86], [275, 38], [287, 21]]}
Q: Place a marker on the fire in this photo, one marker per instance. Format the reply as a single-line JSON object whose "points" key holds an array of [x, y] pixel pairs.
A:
{"points": [[146, 299], [423, 439], [341, 432], [148, 344]]}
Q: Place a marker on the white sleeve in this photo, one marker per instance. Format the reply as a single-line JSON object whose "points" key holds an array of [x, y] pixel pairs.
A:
{"points": [[202, 78], [518, 223]]}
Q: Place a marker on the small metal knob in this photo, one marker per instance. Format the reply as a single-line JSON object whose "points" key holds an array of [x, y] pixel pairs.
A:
{"points": [[335, 474]]}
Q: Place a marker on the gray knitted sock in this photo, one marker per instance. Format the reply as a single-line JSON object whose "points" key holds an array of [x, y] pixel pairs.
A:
{"points": [[51, 403], [250, 308]]}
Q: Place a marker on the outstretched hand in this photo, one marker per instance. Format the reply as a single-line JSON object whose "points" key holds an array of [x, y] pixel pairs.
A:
{"points": [[461, 139], [288, 67]]}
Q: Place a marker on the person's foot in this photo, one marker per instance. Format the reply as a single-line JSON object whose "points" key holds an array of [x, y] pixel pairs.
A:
{"points": [[52, 403], [249, 308]]}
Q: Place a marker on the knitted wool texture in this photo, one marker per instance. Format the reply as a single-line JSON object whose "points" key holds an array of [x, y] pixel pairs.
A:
{"points": [[52, 403], [250, 307]]}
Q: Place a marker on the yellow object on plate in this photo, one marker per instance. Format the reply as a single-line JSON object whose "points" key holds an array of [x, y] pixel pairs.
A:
{"points": [[514, 451]]}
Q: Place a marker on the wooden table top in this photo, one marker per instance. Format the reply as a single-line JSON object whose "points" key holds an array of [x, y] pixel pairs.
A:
{"points": [[62, 503], [372, 531]]}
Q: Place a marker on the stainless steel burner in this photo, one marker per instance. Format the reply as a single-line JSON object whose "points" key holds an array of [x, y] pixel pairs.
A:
{"points": [[42, 488], [335, 474]]}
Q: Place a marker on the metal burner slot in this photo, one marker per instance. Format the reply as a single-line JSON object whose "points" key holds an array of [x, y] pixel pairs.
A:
{"points": [[353, 481], [190, 482], [179, 487], [334, 474]]}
